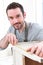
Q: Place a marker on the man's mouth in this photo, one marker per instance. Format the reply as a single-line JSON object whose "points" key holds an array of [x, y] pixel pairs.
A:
{"points": [[17, 23]]}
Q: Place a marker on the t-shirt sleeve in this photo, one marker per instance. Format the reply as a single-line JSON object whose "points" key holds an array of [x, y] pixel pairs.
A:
{"points": [[35, 32], [11, 30], [40, 35]]}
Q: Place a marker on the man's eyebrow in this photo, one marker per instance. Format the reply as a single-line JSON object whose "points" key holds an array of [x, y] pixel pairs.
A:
{"points": [[10, 17], [18, 15]]}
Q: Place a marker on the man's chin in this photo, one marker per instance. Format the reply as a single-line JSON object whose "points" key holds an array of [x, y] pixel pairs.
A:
{"points": [[17, 28]]}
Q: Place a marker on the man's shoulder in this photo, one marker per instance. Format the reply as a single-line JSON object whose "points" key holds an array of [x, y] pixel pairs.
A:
{"points": [[34, 25], [11, 29]]}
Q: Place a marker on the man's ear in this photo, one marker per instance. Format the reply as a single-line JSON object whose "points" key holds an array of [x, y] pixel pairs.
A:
{"points": [[24, 14]]}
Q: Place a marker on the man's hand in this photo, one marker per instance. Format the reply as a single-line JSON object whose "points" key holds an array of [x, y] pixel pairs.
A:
{"points": [[12, 38], [36, 49]]}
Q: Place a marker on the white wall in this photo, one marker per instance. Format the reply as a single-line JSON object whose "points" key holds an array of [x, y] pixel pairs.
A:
{"points": [[29, 7], [39, 11], [33, 9], [42, 12]]}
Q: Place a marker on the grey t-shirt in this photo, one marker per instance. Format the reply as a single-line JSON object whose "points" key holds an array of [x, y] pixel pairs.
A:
{"points": [[35, 33]]}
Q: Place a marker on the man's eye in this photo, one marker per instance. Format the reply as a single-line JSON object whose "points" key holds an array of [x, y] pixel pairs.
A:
{"points": [[11, 17], [18, 15]]}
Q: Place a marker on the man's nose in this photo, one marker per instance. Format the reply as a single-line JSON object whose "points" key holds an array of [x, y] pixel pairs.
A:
{"points": [[15, 20]]}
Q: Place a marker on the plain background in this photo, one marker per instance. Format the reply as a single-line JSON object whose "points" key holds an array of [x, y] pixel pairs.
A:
{"points": [[33, 9]]}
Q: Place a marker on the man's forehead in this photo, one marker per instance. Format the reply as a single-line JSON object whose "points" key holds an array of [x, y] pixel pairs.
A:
{"points": [[14, 11]]}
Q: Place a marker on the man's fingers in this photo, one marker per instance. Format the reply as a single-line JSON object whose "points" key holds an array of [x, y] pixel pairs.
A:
{"points": [[38, 51], [41, 54], [15, 42], [33, 49], [29, 49], [12, 39]]}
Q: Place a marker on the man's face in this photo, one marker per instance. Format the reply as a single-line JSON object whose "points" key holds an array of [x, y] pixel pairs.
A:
{"points": [[16, 17]]}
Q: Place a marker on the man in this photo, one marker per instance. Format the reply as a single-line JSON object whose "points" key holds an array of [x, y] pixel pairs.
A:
{"points": [[20, 31]]}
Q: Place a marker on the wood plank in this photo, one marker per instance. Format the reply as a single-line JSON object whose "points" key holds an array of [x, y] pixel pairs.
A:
{"points": [[23, 46], [31, 62]]}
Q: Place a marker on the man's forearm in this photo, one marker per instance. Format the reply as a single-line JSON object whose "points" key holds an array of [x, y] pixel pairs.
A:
{"points": [[4, 42]]}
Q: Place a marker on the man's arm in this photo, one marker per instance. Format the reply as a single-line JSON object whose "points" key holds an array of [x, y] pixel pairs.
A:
{"points": [[37, 48], [9, 38], [4, 42]]}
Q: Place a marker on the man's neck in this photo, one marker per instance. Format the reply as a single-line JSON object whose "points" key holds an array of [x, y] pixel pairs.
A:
{"points": [[23, 28]]}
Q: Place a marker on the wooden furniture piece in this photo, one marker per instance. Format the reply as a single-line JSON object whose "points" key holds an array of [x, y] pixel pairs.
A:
{"points": [[22, 57], [29, 61]]}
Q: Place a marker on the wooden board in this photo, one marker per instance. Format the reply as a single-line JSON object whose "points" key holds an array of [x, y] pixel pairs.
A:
{"points": [[23, 46]]}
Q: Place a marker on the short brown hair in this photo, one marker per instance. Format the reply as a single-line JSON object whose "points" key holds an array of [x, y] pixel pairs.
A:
{"points": [[14, 5]]}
